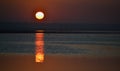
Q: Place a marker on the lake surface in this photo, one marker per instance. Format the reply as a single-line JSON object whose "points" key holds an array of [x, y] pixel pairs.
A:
{"points": [[62, 43]]}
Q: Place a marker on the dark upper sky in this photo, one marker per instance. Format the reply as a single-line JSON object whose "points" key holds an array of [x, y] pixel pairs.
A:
{"points": [[61, 11]]}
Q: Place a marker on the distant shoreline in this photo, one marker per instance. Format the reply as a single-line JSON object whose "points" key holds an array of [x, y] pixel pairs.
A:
{"points": [[59, 28], [66, 32]]}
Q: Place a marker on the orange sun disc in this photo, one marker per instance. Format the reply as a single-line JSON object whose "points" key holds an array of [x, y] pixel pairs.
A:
{"points": [[39, 15]]}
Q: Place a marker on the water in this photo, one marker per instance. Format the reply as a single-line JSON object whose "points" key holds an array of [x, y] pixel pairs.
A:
{"points": [[62, 43]]}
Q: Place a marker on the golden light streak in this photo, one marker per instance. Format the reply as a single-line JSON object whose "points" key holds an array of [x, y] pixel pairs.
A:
{"points": [[39, 15], [39, 57], [39, 51]]}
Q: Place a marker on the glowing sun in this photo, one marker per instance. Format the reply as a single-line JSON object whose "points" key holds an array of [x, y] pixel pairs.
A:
{"points": [[39, 15]]}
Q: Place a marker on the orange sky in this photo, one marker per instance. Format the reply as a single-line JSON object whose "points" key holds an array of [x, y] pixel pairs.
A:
{"points": [[61, 11]]}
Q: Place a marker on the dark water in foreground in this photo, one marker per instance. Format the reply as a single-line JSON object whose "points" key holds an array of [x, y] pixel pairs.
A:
{"points": [[62, 43]]}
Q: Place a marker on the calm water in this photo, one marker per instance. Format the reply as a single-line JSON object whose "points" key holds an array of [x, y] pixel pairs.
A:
{"points": [[58, 43]]}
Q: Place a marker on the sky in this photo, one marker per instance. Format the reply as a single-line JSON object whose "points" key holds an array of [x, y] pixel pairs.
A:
{"points": [[61, 11]]}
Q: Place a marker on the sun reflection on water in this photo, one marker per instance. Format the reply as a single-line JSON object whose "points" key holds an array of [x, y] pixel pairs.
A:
{"points": [[39, 50]]}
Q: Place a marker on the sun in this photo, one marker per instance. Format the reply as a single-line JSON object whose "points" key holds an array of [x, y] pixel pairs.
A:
{"points": [[39, 15]]}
